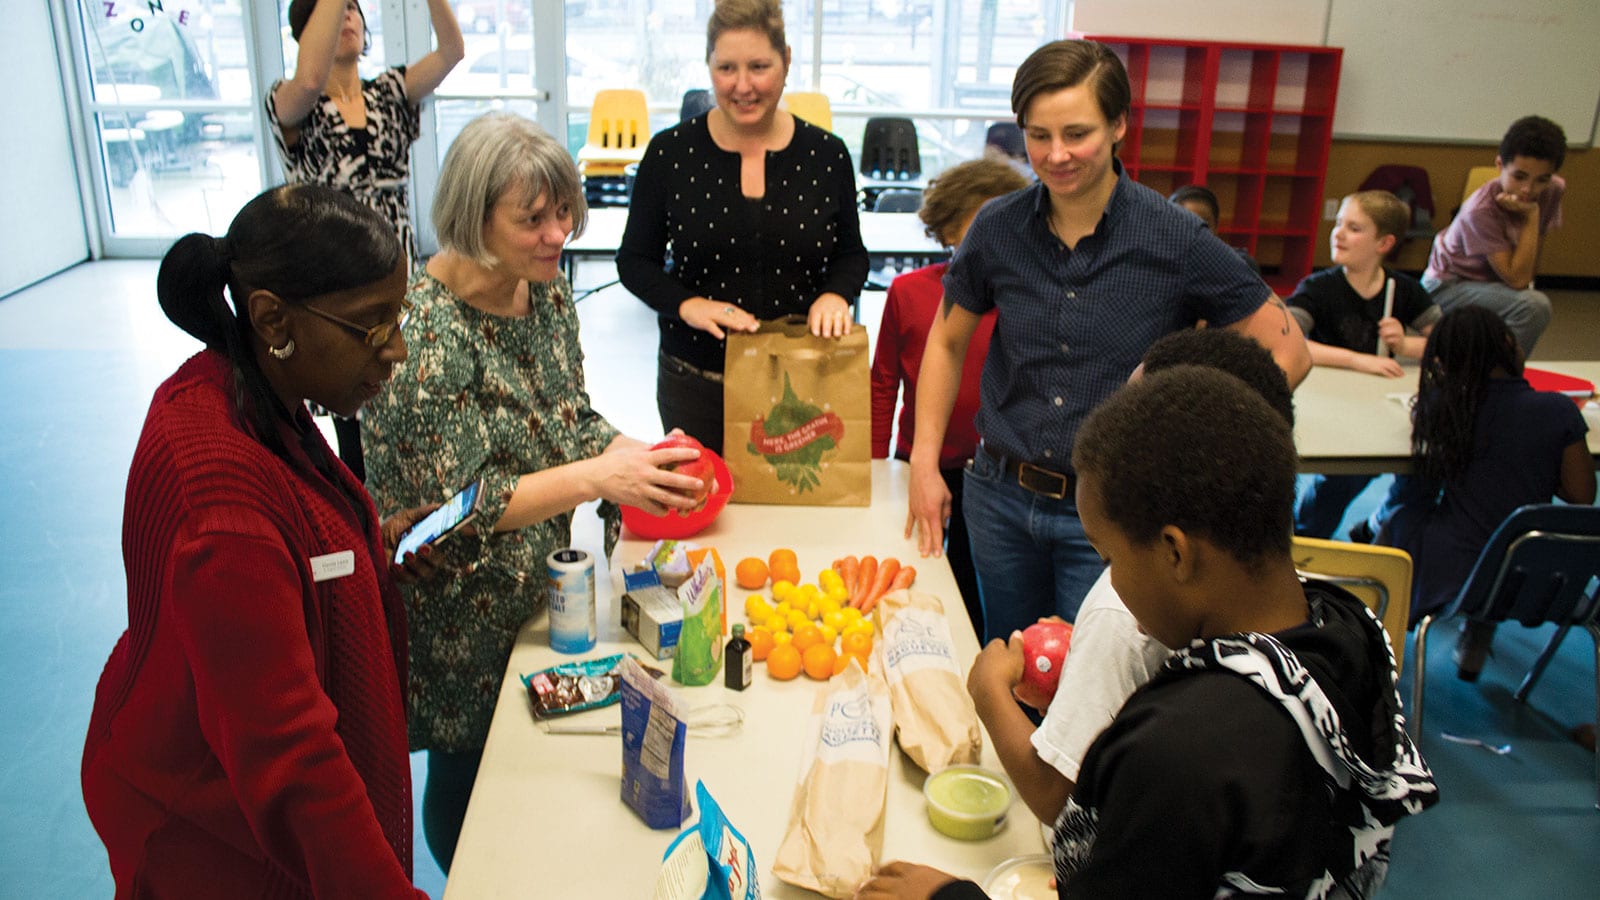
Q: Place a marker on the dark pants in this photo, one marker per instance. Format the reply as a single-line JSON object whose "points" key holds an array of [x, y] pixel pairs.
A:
{"points": [[687, 398], [958, 549], [444, 801], [1322, 504]]}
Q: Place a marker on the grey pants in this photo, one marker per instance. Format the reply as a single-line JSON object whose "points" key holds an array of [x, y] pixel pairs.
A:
{"points": [[1526, 312]]}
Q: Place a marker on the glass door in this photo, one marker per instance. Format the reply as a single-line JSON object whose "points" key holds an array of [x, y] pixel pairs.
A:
{"points": [[170, 115]]}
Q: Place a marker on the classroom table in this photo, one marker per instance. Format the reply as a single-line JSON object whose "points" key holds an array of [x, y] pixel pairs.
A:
{"points": [[886, 235], [1352, 423], [546, 816]]}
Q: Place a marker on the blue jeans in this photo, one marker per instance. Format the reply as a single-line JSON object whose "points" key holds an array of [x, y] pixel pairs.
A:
{"points": [[1029, 550], [1322, 503]]}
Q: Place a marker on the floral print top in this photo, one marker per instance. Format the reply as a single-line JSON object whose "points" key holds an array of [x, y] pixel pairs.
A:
{"points": [[490, 397]]}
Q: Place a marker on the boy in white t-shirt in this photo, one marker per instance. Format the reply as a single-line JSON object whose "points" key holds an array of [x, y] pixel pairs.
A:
{"points": [[1110, 657]]}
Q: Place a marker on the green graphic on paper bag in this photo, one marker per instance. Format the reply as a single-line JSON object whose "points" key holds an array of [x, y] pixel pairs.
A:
{"points": [[793, 438]]}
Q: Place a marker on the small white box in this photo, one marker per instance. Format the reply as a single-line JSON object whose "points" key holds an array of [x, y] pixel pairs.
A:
{"points": [[654, 616]]}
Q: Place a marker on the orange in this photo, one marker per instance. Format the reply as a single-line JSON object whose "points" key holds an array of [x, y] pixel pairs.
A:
{"points": [[783, 565], [842, 661], [819, 662], [807, 636], [751, 573], [857, 642], [783, 662], [761, 643]]}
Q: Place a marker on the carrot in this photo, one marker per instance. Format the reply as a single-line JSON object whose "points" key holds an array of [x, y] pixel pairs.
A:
{"points": [[901, 580], [880, 581], [849, 570], [869, 569]]}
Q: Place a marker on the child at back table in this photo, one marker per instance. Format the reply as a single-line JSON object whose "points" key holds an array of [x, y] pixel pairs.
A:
{"points": [[1483, 443], [1355, 317], [1269, 756], [1488, 254]]}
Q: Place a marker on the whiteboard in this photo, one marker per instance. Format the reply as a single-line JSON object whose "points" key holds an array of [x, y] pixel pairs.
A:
{"points": [[1244, 21], [1423, 70], [1463, 70]]}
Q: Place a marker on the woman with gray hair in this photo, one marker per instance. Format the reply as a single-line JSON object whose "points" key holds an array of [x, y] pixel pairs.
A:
{"points": [[493, 390]]}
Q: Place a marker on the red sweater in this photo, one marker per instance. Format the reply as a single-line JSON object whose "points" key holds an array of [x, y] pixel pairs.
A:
{"points": [[248, 736], [907, 317]]}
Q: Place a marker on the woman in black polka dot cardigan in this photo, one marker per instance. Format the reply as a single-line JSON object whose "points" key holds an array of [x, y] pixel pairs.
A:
{"points": [[758, 211]]}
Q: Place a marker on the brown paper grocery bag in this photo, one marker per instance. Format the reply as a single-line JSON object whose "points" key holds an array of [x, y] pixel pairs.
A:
{"points": [[835, 834], [797, 419], [935, 721]]}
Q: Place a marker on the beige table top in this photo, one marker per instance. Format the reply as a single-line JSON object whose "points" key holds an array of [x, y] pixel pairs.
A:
{"points": [[1348, 422], [546, 816]]}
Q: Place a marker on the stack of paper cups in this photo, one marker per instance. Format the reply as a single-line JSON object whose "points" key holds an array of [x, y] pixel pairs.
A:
{"points": [[572, 613]]}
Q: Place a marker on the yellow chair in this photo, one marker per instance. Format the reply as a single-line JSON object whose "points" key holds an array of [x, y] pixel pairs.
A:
{"points": [[619, 130], [1477, 177], [811, 106], [1379, 576]]}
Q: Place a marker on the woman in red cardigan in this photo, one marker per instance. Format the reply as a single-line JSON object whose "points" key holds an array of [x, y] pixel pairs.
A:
{"points": [[248, 736]]}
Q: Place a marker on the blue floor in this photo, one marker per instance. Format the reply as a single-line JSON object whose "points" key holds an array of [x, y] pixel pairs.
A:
{"points": [[79, 357]]}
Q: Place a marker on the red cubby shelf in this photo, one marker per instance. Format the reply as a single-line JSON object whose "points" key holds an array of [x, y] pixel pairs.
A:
{"points": [[1254, 122]]}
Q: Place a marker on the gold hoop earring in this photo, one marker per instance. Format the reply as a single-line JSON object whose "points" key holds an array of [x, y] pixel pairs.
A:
{"points": [[284, 352]]}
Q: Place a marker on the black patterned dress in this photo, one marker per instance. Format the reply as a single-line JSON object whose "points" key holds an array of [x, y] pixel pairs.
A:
{"points": [[373, 164]]}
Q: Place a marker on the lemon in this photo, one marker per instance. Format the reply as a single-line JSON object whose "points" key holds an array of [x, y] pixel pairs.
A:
{"points": [[782, 608], [780, 638], [834, 619], [829, 633], [777, 624], [851, 615], [782, 589], [830, 581], [756, 607]]}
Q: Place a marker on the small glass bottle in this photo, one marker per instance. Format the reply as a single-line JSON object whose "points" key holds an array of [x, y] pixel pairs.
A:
{"points": [[738, 664]]}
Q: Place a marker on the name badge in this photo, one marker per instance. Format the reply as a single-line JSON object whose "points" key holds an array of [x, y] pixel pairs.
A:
{"points": [[333, 565]]}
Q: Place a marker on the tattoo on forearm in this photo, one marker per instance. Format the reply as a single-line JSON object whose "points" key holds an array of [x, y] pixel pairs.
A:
{"points": [[1283, 308]]}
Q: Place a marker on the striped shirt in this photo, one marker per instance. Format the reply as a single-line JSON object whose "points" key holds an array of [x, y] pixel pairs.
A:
{"points": [[1073, 324]]}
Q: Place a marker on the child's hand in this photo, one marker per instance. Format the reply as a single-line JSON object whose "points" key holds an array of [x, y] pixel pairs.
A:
{"points": [[998, 668], [1376, 365], [1515, 205], [1392, 333], [903, 881]]}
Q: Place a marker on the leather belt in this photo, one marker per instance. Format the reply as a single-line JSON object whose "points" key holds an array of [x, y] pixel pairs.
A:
{"points": [[1041, 481]]}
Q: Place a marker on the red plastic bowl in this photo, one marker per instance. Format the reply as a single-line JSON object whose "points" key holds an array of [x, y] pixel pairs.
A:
{"points": [[676, 526]]}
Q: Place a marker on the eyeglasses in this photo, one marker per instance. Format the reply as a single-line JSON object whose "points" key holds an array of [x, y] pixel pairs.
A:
{"points": [[377, 335]]}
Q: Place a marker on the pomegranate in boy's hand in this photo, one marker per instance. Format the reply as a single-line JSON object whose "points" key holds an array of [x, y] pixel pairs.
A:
{"points": [[700, 467], [1044, 648]]}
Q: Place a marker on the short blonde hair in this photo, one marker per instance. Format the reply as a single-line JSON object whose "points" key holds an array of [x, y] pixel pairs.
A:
{"points": [[958, 191], [764, 16], [494, 154], [1389, 214]]}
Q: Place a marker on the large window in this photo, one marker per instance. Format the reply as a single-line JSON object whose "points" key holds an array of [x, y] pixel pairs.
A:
{"points": [[169, 89], [170, 106]]}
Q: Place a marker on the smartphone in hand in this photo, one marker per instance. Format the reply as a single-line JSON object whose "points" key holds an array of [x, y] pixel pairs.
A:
{"points": [[441, 523]]}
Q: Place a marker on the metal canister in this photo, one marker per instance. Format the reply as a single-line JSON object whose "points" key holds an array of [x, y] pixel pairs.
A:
{"points": [[572, 613]]}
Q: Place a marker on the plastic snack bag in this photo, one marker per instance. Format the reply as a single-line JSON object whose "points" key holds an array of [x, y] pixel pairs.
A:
{"points": [[936, 721], [654, 735], [709, 861], [835, 832], [699, 655], [574, 687]]}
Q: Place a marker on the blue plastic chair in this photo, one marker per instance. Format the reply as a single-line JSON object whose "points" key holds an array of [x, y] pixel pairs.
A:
{"points": [[1541, 565]]}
